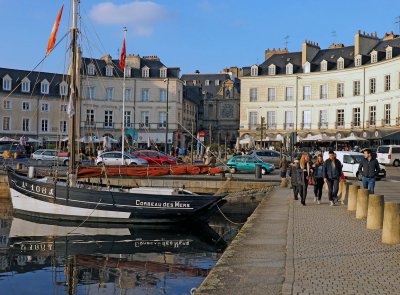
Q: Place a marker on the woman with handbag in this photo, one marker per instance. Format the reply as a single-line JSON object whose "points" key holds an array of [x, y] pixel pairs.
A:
{"points": [[319, 179], [306, 172]]}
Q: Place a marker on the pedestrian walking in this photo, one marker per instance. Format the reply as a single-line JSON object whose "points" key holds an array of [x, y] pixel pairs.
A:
{"points": [[332, 171], [368, 169], [319, 178], [295, 178], [283, 165], [306, 172]]}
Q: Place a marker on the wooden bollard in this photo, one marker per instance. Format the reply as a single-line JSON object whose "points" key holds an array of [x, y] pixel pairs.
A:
{"points": [[352, 200], [391, 223], [344, 191], [362, 203], [376, 205]]}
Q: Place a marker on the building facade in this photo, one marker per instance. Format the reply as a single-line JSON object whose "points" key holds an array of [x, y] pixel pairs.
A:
{"points": [[337, 91]]}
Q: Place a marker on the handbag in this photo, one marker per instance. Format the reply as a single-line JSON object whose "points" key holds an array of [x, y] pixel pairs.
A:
{"points": [[311, 180]]}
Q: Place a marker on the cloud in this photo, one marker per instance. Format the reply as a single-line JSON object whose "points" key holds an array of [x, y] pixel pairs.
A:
{"points": [[139, 16]]}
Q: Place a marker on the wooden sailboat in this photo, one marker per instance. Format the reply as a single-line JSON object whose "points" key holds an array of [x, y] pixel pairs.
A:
{"points": [[66, 200]]}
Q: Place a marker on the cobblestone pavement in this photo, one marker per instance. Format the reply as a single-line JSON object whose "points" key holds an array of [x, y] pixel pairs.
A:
{"points": [[331, 252]]}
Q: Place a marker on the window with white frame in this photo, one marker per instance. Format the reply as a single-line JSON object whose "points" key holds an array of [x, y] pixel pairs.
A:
{"points": [[253, 94], [26, 85], [45, 107], [26, 106], [216, 82], [306, 92], [356, 88], [91, 70], [7, 83], [63, 88], [127, 119], [44, 125], [108, 119], [340, 118], [144, 118], [372, 85], [207, 82], [145, 95], [25, 124], [387, 82], [128, 94], [271, 120], [288, 120], [91, 92], [372, 115], [109, 71], [145, 72], [289, 93], [340, 63], [306, 119], [357, 61], [63, 126], [323, 91], [44, 87], [109, 93], [324, 66], [254, 71], [374, 56], [389, 52], [253, 118], [356, 117], [271, 94], [90, 116], [127, 71], [163, 95], [7, 105], [63, 108], [289, 69], [163, 73], [162, 116], [271, 70], [307, 67], [323, 119], [386, 119], [340, 90], [6, 123]]}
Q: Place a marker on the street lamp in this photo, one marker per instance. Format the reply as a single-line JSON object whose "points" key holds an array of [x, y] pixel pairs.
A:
{"points": [[166, 119]]}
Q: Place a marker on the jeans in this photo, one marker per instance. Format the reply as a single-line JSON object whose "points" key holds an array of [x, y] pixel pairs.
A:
{"points": [[369, 183], [333, 189], [318, 186]]}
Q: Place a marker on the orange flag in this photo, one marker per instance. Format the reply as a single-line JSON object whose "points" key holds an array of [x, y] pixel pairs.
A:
{"points": [[52, 39], [122, 57]]}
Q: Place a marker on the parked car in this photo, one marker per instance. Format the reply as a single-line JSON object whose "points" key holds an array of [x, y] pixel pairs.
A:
{"points": [[50, 155], [15, 150], [248, 164], [267, 156], [155, 157], [351, 161], [389, 155], [115, 158]]}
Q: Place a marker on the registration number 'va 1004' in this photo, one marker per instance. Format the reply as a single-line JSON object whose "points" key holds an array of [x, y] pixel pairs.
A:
{"points": [[38, 189]]}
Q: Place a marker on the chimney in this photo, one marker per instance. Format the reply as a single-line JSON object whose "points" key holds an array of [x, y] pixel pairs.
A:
{"points": [[271, 52], [339, 45], [363, 43], [390, 36], [309, 50], [133, 61]]}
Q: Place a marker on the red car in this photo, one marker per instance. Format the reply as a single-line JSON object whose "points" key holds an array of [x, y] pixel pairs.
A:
{"points": [[155, 158]]}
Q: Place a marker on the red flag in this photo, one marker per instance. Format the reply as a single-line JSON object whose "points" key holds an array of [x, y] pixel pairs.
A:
{"points": [[52, 39], [122, 57]]}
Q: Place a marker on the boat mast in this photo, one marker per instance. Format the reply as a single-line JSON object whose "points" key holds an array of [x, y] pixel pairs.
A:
{"points": [[123, 111], [72, 123]]}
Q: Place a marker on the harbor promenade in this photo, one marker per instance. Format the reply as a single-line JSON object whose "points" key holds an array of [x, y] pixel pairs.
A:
{"points": [[286, 248]]}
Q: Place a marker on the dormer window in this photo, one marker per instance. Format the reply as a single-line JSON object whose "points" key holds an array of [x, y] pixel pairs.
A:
{"points": [[109, 71], [44, 87], [216, 82], [324, 66], [145, 72], [289, 69], [90, 70], [307, 67], [389, 52], [128, 71], [340, 63], [374, 57], [163, 72], [271, 70], [7, 83], [207, 82], [358, 61], [63, 88], [25, 85], [254, 71]]}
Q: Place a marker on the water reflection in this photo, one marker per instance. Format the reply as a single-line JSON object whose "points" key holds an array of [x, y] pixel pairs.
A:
{"points": [[42, 257]]}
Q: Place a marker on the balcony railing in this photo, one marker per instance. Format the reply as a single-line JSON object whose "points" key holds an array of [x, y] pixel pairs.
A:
{"points": [[305, 126], [356, 124], [288, 126], [323, 125], [386, 122], [112, 125], [371, 123], [339, 124]]}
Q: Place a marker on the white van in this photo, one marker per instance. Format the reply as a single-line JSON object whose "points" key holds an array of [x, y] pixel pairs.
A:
{"points": [[389, 155], [350, 162]]}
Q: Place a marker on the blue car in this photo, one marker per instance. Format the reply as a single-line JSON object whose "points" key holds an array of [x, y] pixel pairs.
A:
{"points": [[248, 164]]}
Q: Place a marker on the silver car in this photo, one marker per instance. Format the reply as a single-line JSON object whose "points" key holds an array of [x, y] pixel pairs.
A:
{"points": [[49, 155], [267, 156], [115, 158]]}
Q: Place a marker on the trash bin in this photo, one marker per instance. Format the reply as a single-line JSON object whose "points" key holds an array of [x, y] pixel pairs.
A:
{"points": [[258, 171]]}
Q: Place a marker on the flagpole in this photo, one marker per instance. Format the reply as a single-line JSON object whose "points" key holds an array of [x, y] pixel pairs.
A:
{"points": [[123, 106]]}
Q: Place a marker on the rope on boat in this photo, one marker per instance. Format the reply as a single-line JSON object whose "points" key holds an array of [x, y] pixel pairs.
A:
{"points": [[224, 216], [85, 218]]}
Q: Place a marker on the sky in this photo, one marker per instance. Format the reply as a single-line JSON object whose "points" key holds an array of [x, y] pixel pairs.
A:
{"points": [[204, 35]]}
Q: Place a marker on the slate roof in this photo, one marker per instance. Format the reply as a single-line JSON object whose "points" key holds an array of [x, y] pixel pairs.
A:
{"points": [[35, 78], [210, 89], [193, 94]]}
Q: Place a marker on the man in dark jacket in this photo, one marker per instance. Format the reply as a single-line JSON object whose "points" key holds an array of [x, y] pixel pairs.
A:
{"points": [[332, 171], [295, 176], [368, 169]]}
